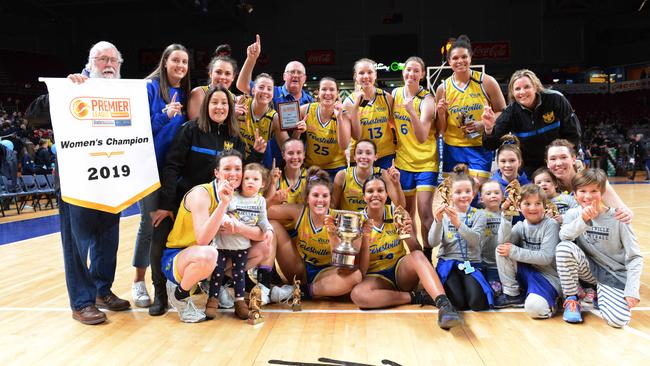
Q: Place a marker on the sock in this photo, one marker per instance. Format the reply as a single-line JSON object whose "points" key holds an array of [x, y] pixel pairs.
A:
{"points": [[248, 283], [441, 300], [428, 252], [264, 276], [413, 297], [181, 294], [306, 291]]}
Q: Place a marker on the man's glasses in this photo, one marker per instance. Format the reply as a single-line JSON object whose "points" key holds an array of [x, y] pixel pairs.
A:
{"points": [[295, 72], [106, 59]]}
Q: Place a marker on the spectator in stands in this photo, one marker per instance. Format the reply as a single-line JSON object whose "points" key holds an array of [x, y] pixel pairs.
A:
{"points": [[43, 158], [638, 156]]}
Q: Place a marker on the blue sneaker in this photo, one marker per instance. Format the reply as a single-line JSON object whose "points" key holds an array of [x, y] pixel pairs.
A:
{"points": [[572, 310]]}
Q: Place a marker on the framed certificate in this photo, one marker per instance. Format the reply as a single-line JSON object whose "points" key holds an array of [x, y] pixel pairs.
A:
{"points": [[289, 113]]}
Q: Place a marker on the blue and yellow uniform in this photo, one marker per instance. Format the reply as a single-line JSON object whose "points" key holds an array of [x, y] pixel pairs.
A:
{"points": [[418, 163], [375, 125], [386, 249], [458, 147], [294, 195], [248, 125], [352, 193], [182, 234], [322, 141], [313, 246]]}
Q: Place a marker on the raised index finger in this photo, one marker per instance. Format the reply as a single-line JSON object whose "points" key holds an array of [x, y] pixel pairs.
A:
{"points": [[174, 97], [257, 40]]}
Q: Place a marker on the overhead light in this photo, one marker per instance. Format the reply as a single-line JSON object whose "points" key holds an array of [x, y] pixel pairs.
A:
{"points": [[246, 7]]}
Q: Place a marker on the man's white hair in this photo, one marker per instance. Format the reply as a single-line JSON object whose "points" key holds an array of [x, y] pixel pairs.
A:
{"points": [[100, 46]]}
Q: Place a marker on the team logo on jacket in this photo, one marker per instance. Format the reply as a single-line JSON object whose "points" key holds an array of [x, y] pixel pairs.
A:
{"points": [[549, 117], [227, 145]]}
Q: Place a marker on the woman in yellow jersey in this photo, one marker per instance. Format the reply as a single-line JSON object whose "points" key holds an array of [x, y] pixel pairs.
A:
{"points": [[461, 99], [390, 275], [221, 71], [287, 186], [348, 184], [260, 122], [417, 154], [188, 257], [326, 132], [308, 256], [288, 183], [369, 114]]}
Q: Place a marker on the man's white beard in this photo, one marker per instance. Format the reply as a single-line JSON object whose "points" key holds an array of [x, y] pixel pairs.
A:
{"points": [[95, 74]]}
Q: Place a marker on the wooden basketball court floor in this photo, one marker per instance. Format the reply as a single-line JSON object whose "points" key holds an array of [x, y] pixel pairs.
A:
{"points": [[36, 325]]}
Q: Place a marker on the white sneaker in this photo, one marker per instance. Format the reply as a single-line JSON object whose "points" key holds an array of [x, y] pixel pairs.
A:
{"points": [[265, 294], [226, 299], [280, 294], [140, 296], [187, 311]]}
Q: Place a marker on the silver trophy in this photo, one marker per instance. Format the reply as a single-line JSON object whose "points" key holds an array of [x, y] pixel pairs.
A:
{"points": [[463, 119], [348, 228]]}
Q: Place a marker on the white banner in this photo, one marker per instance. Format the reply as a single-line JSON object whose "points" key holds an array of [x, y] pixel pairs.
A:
{"points": [[104, 143]]}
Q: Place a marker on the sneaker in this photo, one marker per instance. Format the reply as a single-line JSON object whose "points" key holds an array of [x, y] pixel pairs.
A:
{"points": [[226, 299], [266, 298], [590, 295], [140, 295], [572, 310], [211, 308], [421, 297], [241, 309], [281, 293], [187, 311], [448, 317], [506, 301]]}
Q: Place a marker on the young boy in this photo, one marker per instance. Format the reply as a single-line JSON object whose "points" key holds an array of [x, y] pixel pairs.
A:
{"points": [[246, 207], [605, 253], [526, 257], [491, 197]]}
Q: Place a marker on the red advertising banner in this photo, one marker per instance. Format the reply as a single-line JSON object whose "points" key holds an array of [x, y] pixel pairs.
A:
{"points": [[319, 57], [491, 50]]}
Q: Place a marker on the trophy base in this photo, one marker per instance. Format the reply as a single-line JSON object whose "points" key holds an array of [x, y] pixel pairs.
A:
{"points": [[511, 213], [296, 307], [405, 237], [343, 260], [255, 319]]}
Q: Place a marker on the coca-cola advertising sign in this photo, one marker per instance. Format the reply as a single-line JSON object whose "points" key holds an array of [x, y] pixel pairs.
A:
{"points": [[320, 57], [491, 50]]}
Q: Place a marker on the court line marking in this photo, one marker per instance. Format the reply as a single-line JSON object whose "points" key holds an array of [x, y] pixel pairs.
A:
{"points": [[28, 239], [306, 311]]}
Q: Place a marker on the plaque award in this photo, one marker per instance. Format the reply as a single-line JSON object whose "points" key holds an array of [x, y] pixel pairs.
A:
{"points": [[289, 114]]}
